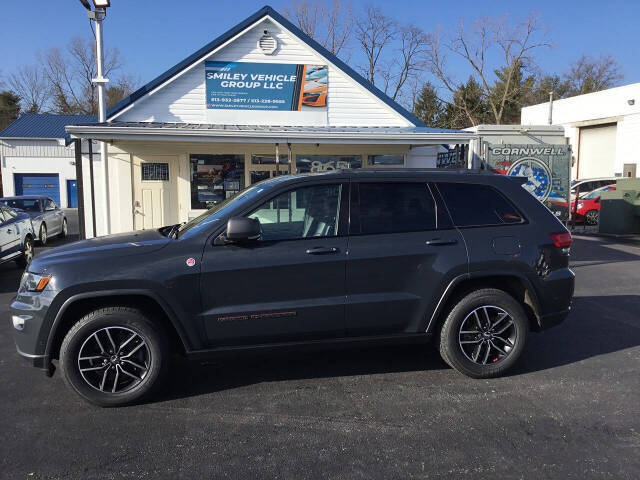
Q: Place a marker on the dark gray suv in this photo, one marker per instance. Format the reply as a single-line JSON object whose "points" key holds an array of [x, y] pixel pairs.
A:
{"points": [[469, 259]]}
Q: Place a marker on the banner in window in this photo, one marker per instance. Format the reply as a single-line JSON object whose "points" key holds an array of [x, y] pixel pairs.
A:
{"points": [[265, 86], [546, 167]]}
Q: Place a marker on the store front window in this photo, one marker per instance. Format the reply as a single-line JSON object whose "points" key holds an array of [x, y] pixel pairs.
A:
{"points": [[268, 159], [384, 160], [215, 178], [323, 163]]}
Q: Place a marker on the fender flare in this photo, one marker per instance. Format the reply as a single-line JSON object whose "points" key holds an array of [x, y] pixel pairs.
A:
{"points": [[111, 293], [446, 295]]}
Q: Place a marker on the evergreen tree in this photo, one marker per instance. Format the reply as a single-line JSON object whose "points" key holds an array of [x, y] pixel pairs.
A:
{"points": [[513, 95], [429, 108], [9, 108]]}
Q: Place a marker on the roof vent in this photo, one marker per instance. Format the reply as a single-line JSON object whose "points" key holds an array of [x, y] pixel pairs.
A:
{"points": [[267, 43]]}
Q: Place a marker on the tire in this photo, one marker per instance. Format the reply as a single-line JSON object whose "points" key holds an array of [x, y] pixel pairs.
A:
{"points": [[114, 326], [27, 252], [65, 228], [42, 235], [591, 217], [458, 349]]}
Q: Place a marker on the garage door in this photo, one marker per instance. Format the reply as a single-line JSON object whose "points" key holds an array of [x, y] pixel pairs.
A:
{"points": [[597, 151], [45, 184]]}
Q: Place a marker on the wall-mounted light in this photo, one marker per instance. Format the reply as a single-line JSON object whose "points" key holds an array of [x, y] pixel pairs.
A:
{"points": [[631, 101]]}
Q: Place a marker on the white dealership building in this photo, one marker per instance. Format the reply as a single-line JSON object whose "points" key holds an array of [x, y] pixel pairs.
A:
{"points": [[603, 129], [261, 99]]}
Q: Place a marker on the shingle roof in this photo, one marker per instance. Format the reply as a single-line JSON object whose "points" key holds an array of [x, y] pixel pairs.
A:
{"points": [[263, 12], [44, 125]]}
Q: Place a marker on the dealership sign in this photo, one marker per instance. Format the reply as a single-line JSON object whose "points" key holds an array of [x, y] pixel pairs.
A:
{"points": [[265, 86], [546, 167]]}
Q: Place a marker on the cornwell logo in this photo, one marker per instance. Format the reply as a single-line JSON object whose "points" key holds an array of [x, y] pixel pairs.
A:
{"points": [[528, 151], [256, 316]]}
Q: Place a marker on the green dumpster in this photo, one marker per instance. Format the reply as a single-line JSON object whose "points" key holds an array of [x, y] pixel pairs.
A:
{"points": [[620, 208]]}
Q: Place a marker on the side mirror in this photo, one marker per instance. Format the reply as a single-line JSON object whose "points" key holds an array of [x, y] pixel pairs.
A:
{"points": [[49, 209], [243, 229], [597, 200]]}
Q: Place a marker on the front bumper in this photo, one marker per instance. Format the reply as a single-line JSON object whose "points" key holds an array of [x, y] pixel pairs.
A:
{"points": [[553, 319], [30, 339]]}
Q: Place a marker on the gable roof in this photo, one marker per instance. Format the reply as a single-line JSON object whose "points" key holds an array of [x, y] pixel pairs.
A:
{"points": [[44, 125], [263, 12]]}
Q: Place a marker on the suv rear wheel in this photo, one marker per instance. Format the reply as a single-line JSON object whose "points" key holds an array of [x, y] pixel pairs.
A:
{"points": [[484, 334], [114, 356]]}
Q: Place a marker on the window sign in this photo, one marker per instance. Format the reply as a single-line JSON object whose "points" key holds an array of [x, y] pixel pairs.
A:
{"points": [[215, 178], [323, 163], [265, 86]]}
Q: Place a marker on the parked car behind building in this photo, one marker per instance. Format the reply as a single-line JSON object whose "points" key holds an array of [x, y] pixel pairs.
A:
{"points": [[16, 237], [47, 217], [588, 208]]}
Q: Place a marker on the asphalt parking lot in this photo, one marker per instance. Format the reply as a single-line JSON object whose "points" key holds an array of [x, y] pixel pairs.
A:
{"points": [[570, 410]]}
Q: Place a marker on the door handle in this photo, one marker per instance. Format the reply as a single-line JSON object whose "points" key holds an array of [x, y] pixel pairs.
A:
{"points": [[322, 250], [439, 241], [9, 230]]}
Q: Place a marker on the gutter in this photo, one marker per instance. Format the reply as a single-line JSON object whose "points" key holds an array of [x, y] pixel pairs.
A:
{"points": [[256, 136]]}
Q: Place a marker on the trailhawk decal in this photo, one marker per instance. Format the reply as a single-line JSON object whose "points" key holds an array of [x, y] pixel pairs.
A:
{"points": [[256, 316]]}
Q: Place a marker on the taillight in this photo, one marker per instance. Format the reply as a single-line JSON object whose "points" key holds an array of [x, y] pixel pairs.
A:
{"points": [[561, 239]]}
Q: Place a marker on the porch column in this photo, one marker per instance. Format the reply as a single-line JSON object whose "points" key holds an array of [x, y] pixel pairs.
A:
{"points": [[77, 144]]}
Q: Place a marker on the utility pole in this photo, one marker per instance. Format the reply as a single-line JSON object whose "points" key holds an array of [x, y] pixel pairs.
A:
{"points": [[551, 107], [97, 16]]}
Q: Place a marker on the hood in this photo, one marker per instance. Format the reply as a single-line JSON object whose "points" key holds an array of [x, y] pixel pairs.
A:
{"points": [[121, 244]]}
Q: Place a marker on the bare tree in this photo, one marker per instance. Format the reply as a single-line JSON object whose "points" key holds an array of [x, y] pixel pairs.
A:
{"points": [[490, 38], [410, 59], [588, 74], [31, 85], [330, 25], [374, 32], [70, 73]]}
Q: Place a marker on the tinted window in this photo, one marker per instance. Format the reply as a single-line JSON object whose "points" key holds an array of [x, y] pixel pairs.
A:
{"points": [[305, 212], [27, 205], [395, 207], [474, 205]]}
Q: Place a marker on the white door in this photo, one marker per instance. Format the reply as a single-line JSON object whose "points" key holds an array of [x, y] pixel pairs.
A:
{"points": [[154, 203], [597, 151]]}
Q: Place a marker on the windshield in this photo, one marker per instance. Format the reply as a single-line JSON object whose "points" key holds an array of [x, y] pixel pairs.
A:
{"points": [[598, 192], [219, 210], [23, 204]]}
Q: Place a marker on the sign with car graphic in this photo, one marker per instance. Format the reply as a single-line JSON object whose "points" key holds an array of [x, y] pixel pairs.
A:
{"points": [[265, 86], [546, 167]]}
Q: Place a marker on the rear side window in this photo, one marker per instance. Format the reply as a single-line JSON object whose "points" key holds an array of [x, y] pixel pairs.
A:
{"points": [[394, 208], [473, 205]]}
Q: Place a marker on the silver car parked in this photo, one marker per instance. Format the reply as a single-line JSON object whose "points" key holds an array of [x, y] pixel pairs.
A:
{"points": [[47, 217], [16, 237]]}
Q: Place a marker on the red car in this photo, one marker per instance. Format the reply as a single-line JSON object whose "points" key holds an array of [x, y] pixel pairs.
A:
{"points": [[588, 209]]}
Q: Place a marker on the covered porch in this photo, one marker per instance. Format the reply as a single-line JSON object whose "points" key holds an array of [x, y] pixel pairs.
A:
{"points": [[162, 174]]}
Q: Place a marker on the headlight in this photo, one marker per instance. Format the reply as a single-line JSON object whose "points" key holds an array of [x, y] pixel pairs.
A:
{"points": [[580, 205], [32, 282]]}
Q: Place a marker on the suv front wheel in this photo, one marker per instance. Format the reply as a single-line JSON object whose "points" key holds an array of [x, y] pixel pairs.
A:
{"points": [[114, 356], [484, 334]]}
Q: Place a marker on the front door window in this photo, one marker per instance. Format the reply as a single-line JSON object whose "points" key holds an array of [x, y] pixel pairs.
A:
{"points": [[301, 213]]}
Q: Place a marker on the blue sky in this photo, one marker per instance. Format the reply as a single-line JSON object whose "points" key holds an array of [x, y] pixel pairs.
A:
{"points": [[153, 35]]}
